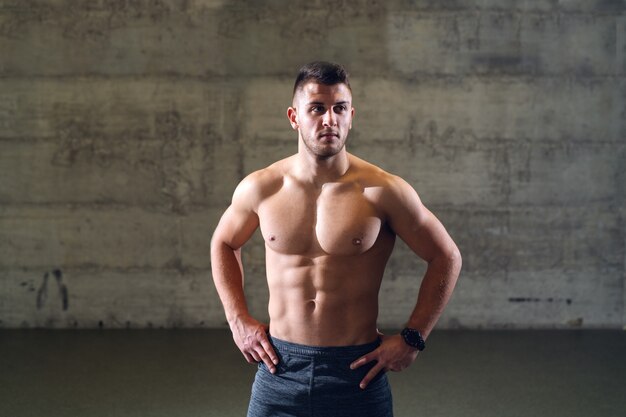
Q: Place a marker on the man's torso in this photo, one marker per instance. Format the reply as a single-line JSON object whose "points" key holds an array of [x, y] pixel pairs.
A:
{"points": [[326, 250]]}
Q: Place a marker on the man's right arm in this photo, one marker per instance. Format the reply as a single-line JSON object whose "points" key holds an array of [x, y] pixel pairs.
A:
{"points": [[234, 229]]}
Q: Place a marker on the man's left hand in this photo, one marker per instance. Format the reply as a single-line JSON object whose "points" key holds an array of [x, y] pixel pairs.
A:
{"points": [[393, 354]]}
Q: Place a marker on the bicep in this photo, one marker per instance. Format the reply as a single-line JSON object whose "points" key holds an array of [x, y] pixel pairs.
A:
{"points": [[417, 226], [240, 220], [236, 227]]}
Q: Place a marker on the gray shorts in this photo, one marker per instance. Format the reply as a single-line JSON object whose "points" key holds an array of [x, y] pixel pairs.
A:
{"points": [[318, 382]]}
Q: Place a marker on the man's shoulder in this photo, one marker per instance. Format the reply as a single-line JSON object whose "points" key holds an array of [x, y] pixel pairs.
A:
{"points": [[387, 190], [263, 182], [373, 175], [268, 176]]}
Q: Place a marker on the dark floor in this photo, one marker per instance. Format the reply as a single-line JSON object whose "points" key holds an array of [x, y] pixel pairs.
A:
{"points": [[193, 373]]}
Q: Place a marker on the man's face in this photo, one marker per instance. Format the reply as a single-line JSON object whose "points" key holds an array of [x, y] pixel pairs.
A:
{"points": [[322, 115]]}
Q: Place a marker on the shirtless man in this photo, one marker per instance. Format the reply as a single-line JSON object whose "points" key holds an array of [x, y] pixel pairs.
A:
{"points": [[329, 221]]}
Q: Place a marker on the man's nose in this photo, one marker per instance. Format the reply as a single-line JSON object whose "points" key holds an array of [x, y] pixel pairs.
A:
{"points": [[329, 118]]}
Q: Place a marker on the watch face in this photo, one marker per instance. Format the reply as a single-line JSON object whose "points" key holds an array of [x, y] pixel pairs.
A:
{"points": [[413, 338]]}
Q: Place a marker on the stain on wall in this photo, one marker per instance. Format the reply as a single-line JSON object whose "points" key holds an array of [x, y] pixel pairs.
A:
{"points": [[61, 293]]}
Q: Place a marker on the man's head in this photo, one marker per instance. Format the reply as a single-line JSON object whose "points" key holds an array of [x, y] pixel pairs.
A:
{"points": [[322, 109], [322, 72]]}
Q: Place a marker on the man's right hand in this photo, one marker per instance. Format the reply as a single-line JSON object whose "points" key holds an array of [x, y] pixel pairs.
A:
{"points": [[251, 338]]}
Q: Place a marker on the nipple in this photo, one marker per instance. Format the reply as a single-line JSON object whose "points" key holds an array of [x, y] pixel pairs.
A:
{"points": [[356, 241], [272, 238]]}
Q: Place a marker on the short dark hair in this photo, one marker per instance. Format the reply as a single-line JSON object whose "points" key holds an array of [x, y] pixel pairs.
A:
{"points": [[323, 72]]}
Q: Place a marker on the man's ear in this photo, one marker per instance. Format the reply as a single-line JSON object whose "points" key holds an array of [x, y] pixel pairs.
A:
{"points": [[292, 115], [351, 117]]}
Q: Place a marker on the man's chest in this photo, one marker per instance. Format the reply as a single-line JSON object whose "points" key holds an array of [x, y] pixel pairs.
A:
{"points": [[339, 219]]}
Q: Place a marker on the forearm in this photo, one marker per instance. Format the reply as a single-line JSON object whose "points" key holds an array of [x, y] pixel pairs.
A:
{"points": [[249, 335], [228, 277], [435, 291]]}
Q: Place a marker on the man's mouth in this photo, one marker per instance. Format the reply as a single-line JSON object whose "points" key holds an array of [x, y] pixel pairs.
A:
{"points": [[326, 135]]}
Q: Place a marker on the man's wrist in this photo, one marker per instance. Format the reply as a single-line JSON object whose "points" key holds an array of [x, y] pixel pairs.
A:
{"points": [[413, 338], [236, 319]]}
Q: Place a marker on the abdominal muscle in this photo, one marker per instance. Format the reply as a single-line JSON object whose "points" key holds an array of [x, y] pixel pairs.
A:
{"points": [[324, 301]]}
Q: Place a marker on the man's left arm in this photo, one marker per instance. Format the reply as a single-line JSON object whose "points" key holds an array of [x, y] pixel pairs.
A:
{"points": [[428, 239]]}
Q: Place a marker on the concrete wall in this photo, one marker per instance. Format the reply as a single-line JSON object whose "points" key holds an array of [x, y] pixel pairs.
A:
{"points": [[125, 126]]}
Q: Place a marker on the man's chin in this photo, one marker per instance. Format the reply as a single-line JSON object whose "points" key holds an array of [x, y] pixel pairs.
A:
{"points": [[325, 148], [324, 152]]}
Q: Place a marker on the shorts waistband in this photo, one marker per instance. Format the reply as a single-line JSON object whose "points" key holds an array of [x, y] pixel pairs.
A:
{"points": [[323, 351]]}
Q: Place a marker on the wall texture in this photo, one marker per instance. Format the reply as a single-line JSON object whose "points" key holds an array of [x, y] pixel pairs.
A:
{"points": [[125, 126]]}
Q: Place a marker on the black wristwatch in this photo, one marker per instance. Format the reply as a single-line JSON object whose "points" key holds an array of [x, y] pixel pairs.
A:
{"points": [[413, 338]]}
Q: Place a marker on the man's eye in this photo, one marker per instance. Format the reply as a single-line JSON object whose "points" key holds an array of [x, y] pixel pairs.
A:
{"points": [[317, 109], [340, 109]]}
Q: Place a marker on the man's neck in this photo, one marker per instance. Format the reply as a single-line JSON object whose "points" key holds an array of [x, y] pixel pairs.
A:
{"points": [[318, 170]]}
